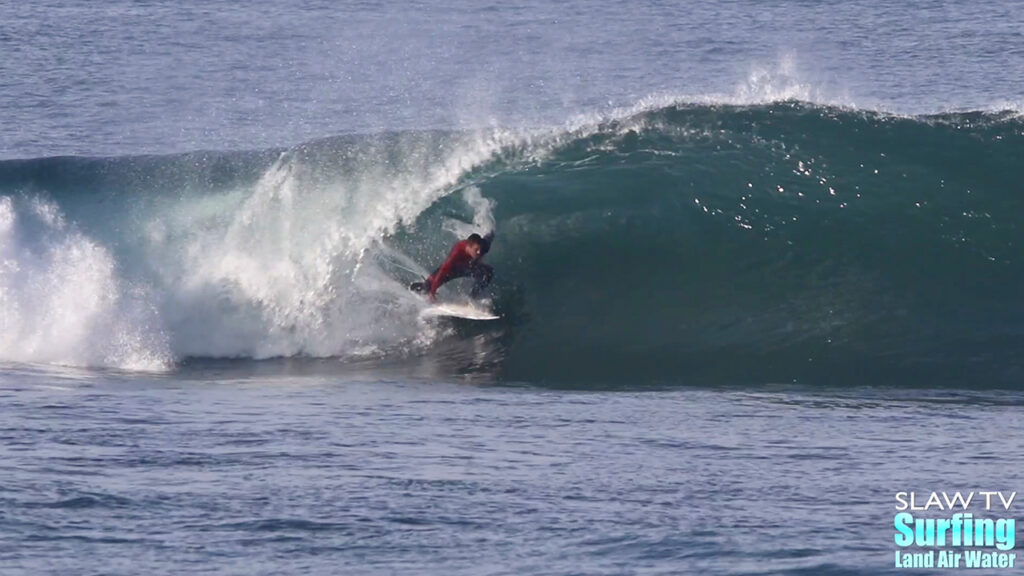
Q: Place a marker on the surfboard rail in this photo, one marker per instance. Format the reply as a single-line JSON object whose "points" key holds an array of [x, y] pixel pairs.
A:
{"points": [[454, 310]]}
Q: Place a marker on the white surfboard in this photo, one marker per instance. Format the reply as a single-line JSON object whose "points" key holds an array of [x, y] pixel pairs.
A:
{"points": [[464, 311]]}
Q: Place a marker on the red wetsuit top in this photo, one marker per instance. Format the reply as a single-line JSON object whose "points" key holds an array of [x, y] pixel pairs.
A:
{"points": [[456, 265]]}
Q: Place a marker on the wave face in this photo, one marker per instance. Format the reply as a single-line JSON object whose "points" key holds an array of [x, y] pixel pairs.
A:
{"points": [[771, 243], [683, 243]]}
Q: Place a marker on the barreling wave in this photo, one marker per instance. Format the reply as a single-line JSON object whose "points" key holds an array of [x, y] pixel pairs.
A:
{"points": [[776, 242]]}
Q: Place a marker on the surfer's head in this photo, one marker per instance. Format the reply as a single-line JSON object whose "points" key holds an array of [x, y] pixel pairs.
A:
{"points": [[474, 245]]}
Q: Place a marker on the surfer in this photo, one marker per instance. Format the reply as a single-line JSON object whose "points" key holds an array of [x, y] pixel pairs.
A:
{"points": [[462, 261]]}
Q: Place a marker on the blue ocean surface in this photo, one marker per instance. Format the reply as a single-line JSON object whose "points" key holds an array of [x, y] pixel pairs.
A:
{"points": [[218, 470], [756, 265]]}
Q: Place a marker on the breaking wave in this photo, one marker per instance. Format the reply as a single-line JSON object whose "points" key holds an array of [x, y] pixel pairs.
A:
{"points": [[677, 242]]}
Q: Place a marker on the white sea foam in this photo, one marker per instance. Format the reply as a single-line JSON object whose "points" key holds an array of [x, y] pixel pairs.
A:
{"points": [[285, 267], [62, 300], [289, 269]]}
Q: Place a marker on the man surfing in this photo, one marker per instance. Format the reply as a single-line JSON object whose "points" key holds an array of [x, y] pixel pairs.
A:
{"points": [[462, 261]]}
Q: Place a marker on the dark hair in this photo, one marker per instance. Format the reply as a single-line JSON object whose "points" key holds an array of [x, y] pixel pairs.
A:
{"points": [[474, 237]]}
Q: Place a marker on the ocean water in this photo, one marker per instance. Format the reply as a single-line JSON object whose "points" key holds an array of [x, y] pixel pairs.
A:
{"points": [[757, 267]]}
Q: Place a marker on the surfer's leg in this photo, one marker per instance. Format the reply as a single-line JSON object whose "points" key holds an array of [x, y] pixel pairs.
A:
{"points": [[482, 274]]}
